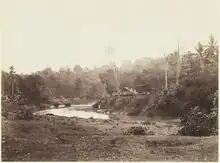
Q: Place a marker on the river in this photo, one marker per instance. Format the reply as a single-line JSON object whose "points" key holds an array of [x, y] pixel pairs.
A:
{"points": [[81, 111]]}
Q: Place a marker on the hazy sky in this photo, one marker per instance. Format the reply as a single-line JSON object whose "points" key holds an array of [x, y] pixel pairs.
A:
{"points": [[55, 33]]}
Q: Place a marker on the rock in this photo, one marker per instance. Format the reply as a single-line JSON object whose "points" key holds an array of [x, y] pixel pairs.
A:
{"points": [[50, 114]]}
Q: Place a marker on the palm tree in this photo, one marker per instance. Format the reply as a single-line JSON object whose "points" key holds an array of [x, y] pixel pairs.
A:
{"points": [[212, 47], [208, 53], [212, 52], [200, 51]]}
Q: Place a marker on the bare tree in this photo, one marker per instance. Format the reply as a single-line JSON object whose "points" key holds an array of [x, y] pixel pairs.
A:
{"points": [[109, 51]]}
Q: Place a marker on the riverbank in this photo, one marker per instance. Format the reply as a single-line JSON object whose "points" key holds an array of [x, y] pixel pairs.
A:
{"points": [[53, 138], [137, 105], [14, 107]]}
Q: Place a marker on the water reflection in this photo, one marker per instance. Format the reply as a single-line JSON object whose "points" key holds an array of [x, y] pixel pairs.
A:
{"points": [[74, 112]]}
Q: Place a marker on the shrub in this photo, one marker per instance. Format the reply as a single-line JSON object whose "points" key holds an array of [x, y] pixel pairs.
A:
{"points": [[42, 107], [5, 113], [67, 104], [166, 104], [96, 105], [112, 101], [56, 105], [197, 122], [193, 91], [24, 114], [136, 130], [137, 105], [99, 102], [198, 90]]}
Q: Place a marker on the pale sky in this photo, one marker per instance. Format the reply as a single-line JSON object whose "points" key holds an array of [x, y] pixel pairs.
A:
{"points": [[55, 33]]}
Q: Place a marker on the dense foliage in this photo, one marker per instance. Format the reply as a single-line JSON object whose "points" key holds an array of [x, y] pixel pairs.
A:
{"points": [[196, 122], [43, 86]]}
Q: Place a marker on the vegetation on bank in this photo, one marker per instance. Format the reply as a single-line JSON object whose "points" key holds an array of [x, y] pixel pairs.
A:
{"points": [[195, 87]]}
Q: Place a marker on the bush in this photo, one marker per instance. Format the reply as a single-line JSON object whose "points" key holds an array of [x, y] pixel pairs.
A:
{"points": [[67, 104], [139, 130], [56, 105], [112, 101], [43, 106], [5, 113], [166, 104], [193, 91], [199, 123], [24, 114], [137, 105], [96, 105], [198, 90]]}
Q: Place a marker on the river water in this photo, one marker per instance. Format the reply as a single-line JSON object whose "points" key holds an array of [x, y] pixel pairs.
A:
{"points": [[81, 111]]}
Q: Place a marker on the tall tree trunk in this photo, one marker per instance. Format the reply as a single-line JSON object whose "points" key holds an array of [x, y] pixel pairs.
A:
{"points": [[105, 90], [166, 73], [116, 80], [158, 78], [178, 66], [12, 89], [202, 63]]}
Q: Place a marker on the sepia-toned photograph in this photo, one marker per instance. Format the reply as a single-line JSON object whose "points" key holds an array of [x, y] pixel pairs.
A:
{"points": [[109, 80]]}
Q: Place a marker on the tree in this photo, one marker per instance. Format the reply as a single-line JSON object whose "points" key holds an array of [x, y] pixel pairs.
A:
{"points": [[108, 79], [140, 84], [33, 88], [127, 80], [5, 85], [212, 48], [12, 79], [208, 53], [190, 64], [78, 87], [172, 59], [78, 69], [200, 51], [211, 52], [117, 76], [166, 71]]}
